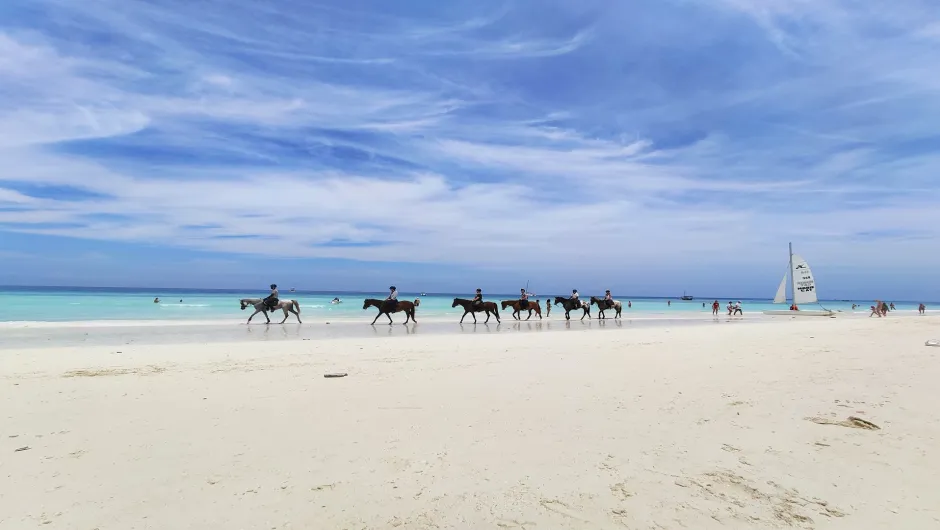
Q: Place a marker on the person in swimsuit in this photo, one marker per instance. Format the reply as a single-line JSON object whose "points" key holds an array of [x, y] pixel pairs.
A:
{"points": [[271, 301]]}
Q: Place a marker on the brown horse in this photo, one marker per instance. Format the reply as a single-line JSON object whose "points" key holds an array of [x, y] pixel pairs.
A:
{"points": [[602, 306], [471, 308], [285, 305], [385, 309], [533, 306]]}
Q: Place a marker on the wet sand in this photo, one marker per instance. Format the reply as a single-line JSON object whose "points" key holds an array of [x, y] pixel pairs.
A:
{"points": [[54, 334], [684, 426]]}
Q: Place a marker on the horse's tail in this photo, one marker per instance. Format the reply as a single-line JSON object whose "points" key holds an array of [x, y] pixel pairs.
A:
{"points": [[296, 306]]}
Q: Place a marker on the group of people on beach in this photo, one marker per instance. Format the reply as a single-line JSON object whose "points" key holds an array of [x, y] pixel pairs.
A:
{"points": [[734, 308]]}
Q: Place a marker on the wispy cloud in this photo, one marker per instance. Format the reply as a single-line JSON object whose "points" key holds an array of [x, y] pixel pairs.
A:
{"points": [[440, 135]]}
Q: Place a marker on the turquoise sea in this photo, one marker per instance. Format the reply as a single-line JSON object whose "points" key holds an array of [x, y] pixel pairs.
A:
{"points": [[70, 304]]}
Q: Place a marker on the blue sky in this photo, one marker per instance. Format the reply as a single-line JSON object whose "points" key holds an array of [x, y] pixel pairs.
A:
{"points": [[645, 146]]}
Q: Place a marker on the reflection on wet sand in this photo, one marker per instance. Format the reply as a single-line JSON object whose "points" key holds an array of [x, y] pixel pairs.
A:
{"points": [[27, 337]]}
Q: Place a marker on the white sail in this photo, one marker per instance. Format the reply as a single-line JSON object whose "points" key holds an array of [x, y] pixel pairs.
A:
{"points": [[804, 286], [781, 297]]}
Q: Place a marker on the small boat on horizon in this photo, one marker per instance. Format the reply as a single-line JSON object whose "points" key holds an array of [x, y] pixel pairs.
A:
{"points": [[802, 289]]}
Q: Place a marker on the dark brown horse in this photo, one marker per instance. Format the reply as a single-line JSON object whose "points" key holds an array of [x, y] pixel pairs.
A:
{"points": [[533, 306], [571, 305], [385, 309], [602, 306], [471, 308]]}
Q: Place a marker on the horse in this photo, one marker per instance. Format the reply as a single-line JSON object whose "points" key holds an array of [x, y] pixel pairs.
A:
{"points": [[472, 309], [602, 306], [533, 306], [403, 305], [571, 305], [258, 304]]}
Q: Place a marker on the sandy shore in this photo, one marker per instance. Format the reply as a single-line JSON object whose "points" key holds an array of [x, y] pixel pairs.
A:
{"points": [[726, 426]]}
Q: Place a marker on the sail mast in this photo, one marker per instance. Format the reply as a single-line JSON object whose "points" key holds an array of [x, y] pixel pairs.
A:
{"points": [[792, 278]]}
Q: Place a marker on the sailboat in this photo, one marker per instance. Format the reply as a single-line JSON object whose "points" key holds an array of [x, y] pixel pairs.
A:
{"points": [[802, 287]]}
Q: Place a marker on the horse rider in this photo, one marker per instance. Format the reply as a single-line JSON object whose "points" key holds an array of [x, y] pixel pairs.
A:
{"points": [[477, 299], [271, 301], [609, 299], [574, 298], [523, 300], [392, 301]]}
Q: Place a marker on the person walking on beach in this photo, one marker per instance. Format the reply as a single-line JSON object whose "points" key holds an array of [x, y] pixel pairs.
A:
{"points": [[715, 307], [478, 298], [271, 301], [392, 301], [523, 300]]}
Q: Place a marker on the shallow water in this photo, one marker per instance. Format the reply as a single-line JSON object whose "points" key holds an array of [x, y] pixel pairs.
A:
{"points": [[94, 304]]}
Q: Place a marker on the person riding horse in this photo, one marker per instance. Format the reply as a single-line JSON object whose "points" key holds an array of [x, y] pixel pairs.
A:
{"points": [[271, 301], [392, 301], [478, 299], [523, 300]]}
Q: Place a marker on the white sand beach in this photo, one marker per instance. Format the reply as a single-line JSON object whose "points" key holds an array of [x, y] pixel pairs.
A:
{"points": [[701, 427]]}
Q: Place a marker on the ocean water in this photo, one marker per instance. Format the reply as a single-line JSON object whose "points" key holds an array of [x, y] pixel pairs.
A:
{"points": [[33, 304]]}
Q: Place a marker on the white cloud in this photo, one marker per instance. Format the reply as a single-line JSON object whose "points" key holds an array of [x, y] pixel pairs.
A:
{"points": [[327, 140]]}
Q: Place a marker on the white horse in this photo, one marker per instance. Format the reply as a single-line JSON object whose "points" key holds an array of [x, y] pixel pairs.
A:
{"points": [[602, 306], [285, 305]]}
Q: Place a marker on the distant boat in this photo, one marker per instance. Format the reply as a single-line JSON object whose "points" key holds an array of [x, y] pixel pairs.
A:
{"points": [[802, 287], [686, 296]]}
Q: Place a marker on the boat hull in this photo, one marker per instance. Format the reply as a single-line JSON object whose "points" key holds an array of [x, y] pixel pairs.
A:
{"points": [[801, 313]]}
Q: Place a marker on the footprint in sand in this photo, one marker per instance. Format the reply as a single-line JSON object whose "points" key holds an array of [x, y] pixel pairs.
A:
{"points": [[620, 491]]}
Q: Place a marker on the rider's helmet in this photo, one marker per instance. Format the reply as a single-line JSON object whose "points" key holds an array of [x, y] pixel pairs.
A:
{"points": [[274, 286]]}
